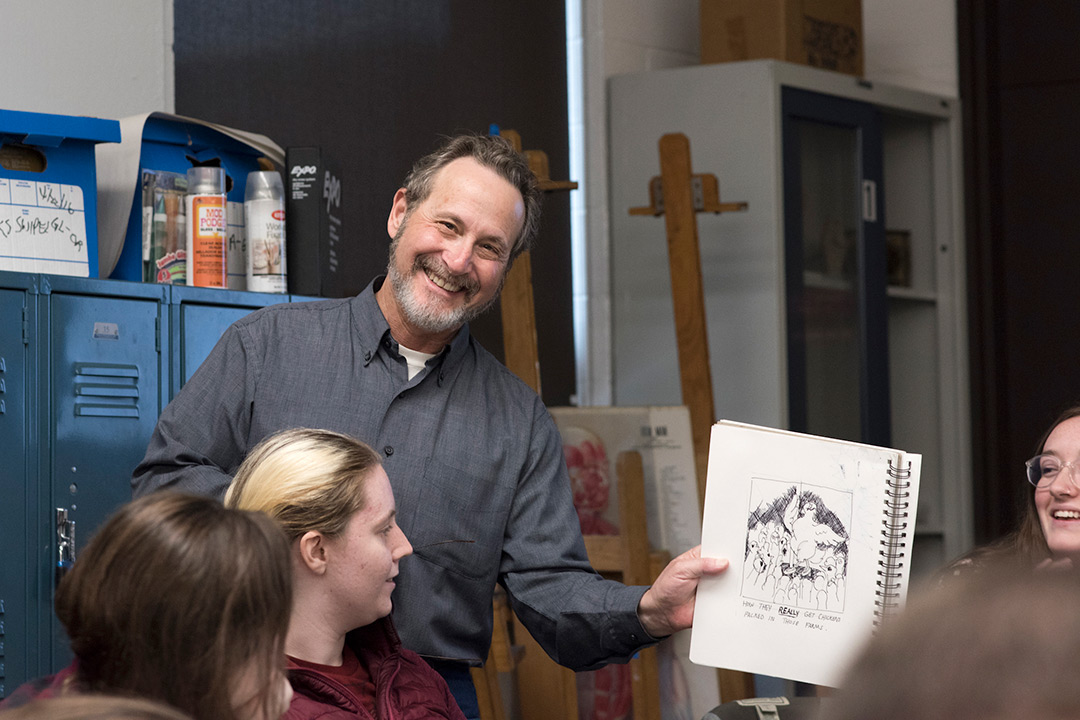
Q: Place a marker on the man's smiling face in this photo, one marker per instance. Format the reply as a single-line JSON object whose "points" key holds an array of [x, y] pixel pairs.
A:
{"points": [[449, 256]]}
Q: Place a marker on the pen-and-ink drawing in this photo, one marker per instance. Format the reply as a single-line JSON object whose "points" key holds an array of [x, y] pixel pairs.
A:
{"points": [[797, 545]]}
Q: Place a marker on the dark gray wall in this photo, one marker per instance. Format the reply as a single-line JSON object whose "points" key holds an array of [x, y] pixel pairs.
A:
{"points": [[1020, 89], [376, 84]]}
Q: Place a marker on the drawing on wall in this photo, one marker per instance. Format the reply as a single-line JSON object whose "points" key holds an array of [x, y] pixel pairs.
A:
{"points": [[604, 694], [797, 545]]}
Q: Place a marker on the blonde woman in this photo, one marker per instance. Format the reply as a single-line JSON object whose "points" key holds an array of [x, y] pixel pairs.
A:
{"points": [[332, 497]]}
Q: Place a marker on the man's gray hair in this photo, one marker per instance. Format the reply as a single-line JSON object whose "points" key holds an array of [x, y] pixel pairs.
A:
{"points": [[491, 151]]}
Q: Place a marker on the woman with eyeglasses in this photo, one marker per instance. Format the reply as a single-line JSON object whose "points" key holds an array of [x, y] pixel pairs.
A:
{"points": [[332, 497], [1049, 531]]}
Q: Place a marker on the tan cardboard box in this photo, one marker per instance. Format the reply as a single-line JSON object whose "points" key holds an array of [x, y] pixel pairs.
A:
{"points": [[822, 33]]}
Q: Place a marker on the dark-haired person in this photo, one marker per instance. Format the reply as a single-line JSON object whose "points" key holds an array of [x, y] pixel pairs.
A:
{"points": [[1048, 535], [993, 645], [474, 457], [93, 707], [179, 600]]}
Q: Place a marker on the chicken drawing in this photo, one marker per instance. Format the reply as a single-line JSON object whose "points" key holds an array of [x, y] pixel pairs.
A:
{"points": [[813, 529]]}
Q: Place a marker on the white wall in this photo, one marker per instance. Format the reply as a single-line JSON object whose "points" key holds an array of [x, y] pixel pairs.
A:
{"points": [[106, 58], [910, 44]]}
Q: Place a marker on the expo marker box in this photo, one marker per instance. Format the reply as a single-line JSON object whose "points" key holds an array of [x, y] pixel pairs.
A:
{"points": [[48, 192]]}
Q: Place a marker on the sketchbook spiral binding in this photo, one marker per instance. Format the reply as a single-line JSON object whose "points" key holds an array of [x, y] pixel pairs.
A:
{"points": [[893, 542]]}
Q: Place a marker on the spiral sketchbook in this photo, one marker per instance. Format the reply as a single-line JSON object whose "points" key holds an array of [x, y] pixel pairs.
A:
{"points": [[818, 533]]}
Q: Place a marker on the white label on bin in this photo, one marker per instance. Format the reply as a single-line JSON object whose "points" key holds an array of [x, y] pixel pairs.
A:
{"points": [[43, 228]]}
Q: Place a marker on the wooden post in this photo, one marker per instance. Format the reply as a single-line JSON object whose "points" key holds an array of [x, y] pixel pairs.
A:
{"points": [[673, 197], [520, 351], [688, 295], [542, 685]]}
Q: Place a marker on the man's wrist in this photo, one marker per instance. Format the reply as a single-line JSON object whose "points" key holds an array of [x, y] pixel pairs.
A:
{"points": [[652, 618]]}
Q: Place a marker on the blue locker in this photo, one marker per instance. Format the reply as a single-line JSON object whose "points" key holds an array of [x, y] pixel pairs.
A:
{"points": [[104, 390], [19, 653], [199, 316], [86, 366]]}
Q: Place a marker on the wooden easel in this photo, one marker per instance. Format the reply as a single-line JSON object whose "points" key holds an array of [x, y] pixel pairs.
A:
{"points": [[520, 351], [546, 690], [521, 355], [677, 194]]}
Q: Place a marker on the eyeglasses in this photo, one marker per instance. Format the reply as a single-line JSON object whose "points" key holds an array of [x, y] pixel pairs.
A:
{"points": [[1043, 469]]}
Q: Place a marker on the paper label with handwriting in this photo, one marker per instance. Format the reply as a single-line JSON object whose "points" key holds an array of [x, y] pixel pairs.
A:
{"points": [[43, 228]]}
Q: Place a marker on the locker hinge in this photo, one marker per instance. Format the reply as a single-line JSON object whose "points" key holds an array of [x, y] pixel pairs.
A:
{"points": [[157, 335], [26, 326]]}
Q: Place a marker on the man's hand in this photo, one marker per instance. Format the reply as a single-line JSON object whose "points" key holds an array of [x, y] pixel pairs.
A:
{"points": [[668, 606]]}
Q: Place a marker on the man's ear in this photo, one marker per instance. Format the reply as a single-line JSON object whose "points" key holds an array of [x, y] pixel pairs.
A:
{"points": [[397, 212], [312, 549]]}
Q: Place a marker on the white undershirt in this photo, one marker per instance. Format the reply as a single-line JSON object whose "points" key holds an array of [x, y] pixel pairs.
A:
{"points": [[415, 359]]}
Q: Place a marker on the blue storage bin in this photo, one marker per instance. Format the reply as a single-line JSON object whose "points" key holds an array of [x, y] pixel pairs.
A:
{"points": [[174, 145], [48, 192]]}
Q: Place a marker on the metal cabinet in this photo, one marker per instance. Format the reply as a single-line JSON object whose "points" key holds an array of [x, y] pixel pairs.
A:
{"points": [[102, 385], [86, 366], [809, 328], [198, 318], [19, 536], [835, 268]]}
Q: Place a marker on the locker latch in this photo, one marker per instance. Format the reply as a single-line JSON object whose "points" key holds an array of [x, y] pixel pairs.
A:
{"points": [[65, 543]]}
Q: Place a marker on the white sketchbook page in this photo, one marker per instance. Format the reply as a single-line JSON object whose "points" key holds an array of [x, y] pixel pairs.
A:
{"points": [[754, 618]]}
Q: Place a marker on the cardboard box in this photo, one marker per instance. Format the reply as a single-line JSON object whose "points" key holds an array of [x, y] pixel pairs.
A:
{"points": [[175, 144], [822, 33], [48, 192], [313, 249]]}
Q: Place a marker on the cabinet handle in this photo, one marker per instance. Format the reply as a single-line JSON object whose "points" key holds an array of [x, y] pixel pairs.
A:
{"points": [[869, 201]]}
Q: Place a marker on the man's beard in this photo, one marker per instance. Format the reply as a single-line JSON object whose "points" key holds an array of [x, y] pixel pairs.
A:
{"points": [[427, 317]]}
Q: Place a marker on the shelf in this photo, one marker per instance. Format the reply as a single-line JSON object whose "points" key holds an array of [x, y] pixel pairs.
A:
{"points": [[823, 281], [906, 293]]}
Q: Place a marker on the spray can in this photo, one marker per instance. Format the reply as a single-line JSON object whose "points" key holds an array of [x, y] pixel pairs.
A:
{"points": [[206, 229], [264, 213]]}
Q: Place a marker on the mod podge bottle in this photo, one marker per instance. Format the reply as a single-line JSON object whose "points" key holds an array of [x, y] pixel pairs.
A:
{"points": [[206, 227]]}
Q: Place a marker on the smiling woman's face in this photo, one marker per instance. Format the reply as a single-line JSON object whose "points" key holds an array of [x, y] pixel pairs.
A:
{"points": [[1058, 503]]}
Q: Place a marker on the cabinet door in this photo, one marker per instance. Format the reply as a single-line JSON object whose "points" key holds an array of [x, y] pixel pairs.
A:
{"points": [[199, 318], [17, 628], [835, 270], [104, 389]]}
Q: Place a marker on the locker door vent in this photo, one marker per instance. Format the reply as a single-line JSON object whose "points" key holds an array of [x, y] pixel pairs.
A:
{"points": [[106, 390]]}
